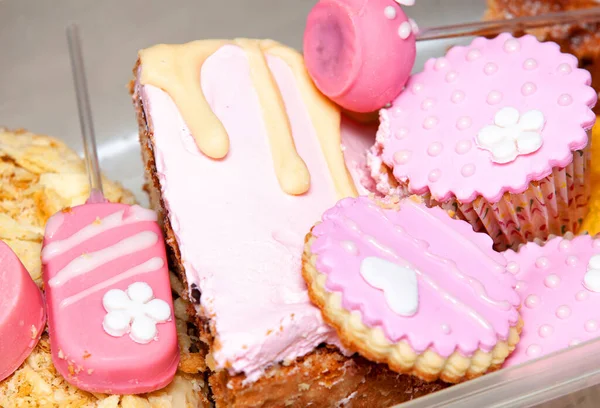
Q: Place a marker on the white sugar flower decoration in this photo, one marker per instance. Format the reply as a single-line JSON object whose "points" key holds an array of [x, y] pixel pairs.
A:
{"points": [[135, 312], [512, 134]]}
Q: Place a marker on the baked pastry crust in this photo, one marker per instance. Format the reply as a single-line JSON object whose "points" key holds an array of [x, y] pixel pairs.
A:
{"points": [[324, 377], [39, 176]]}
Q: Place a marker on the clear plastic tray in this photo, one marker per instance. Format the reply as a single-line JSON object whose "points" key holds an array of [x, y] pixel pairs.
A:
{"points": [[36, 93]]}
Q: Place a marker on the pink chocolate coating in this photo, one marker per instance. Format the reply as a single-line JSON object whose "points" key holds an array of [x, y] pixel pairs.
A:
{"points": [[89, 250], [355, 54], [428, 135], [557, 308], [22, 312], [466, 298]]}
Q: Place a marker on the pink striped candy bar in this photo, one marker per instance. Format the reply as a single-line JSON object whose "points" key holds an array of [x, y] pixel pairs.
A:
{"points": [[22, 313], [110, 310]]}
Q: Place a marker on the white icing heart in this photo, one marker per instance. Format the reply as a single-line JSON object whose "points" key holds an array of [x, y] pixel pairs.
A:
{"points": [[398, 283]]}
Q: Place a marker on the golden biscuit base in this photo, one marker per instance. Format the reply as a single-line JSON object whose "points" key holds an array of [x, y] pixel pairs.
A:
{"points": [[372, 343], [39, 176]]}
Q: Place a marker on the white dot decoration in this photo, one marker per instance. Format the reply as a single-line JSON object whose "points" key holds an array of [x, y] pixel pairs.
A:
{"points": [[434, 149], [552, 281], [530, 64], [532, 301], [564, 69], [451, 76], [512, 45], [434, 175], [591, 326], [467, 170], [430, 122], [542, 262], [416, 88], [473, 55], [405, 30], [494, 98], [571, 260], [528, 89], [401, 133], [490, 68], [458, 96], [396, 112], [390, 12], [534, 350], [402, 156], [545, 330], [563, 312], [513, 267], [565, 100], [564, 245], [427, 104], [464, 122], [440, 64], [463, 146]]}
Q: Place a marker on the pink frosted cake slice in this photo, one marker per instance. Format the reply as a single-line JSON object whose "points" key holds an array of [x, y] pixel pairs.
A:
{"points": [[243, 155], [559, 285]]}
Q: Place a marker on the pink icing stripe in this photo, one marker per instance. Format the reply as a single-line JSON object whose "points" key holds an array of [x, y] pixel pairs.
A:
{"points": [[88, 262], [466, 299], [150, 265], [128, 216]]}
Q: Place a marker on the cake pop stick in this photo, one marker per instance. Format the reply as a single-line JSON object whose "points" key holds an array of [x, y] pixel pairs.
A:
{"points": [[360, 53], [110, 309]]}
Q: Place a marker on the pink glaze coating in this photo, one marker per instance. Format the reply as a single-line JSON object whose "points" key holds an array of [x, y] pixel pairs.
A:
{"points": [[557, 308], [89, 250], [355, 52], [22, 312], [466, 297], [428, 135]]}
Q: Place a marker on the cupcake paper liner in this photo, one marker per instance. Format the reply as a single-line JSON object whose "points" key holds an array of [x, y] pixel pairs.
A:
{"points": [[555, 205]]}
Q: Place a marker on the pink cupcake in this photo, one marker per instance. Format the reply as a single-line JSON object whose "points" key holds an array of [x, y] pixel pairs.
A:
{"points": [[559, 286], [497, 134]]}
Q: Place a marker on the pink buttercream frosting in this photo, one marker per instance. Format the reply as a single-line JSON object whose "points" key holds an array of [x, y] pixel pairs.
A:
{"points": [[558, 308], [359, 52], [240, 235], [432, 135], [466, 298], [89, 251]]}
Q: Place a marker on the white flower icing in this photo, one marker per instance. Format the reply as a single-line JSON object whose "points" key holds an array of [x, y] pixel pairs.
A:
{"points": [[135, 312], [512, 134]]}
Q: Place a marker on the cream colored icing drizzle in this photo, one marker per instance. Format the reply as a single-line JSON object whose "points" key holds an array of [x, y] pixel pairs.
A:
{"points": [[176, 70], [150, 265], [88, 262]]}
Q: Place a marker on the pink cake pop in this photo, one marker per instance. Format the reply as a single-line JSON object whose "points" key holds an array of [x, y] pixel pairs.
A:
{"points": [[22, 313], [359, 53]]}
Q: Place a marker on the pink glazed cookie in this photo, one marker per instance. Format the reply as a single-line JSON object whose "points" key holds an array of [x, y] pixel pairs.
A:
{"points": [[497, 133], [22, 312], [110, 310], [407, 285], [559, 285], [359, 53]]}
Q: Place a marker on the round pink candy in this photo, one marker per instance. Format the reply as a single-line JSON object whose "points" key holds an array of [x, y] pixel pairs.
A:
{"points": [[355, 53], [22, 312]]}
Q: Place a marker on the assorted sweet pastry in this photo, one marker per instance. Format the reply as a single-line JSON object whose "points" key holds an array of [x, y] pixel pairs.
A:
{"points": [[316, 260]]}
